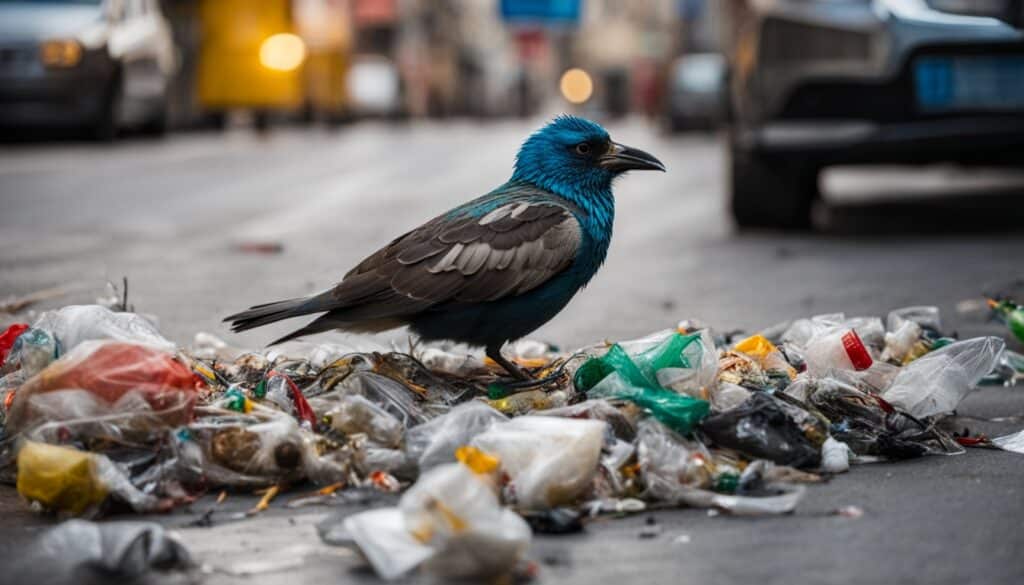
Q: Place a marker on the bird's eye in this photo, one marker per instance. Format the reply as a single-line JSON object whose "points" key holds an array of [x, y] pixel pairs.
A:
{"points": [[583, 148]]}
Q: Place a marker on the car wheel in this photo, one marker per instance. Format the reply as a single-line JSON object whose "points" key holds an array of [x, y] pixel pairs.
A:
{"points": [[771, 193], [105, 127]]}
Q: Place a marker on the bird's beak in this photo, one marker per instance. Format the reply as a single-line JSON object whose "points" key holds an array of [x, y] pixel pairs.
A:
{"points": [[621, 158]]}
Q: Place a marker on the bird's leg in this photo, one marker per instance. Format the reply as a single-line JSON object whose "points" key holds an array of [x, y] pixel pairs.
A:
{"points": [[513, 370]]}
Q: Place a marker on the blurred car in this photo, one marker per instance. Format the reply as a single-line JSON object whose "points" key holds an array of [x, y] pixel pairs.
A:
{"points": [[95, 64], [696, 92], [827, 82]]}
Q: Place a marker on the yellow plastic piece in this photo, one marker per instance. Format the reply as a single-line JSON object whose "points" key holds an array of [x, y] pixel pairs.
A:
{"points": [[59, 478], [476, 460], [756, 346]]}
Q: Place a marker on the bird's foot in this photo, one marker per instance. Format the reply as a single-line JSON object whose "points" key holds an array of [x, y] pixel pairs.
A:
{"points": [[512, 369]]}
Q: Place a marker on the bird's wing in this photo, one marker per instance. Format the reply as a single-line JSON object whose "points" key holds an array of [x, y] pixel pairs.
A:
{"points": [[506, 252]]}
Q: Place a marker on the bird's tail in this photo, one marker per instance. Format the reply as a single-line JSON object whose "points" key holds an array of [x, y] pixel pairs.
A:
{"points": [[271, 312]]}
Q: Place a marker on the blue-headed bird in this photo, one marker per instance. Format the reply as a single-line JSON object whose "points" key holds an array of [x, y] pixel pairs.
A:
{"points": [[491, 270]]}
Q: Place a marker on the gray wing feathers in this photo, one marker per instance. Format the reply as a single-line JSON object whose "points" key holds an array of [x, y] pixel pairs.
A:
{"points": [[508, 251]]}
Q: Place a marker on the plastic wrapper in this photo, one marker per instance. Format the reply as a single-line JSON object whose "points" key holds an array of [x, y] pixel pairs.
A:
{"points": [[698, 377], [75, 324], [8, 337], [246, 451], [73, 481], [641, 369], [31, 351], [761, 428], [619, 420], [355, 414], [532, 400], [835, 456], [802, 331], [925, 317], [109, 370], [937, 382], [77, 551], [728, 396], [767, 355], [550, 461], [434, 442], [669, 462], [679, 412], [1013, 442], [451, 521]]}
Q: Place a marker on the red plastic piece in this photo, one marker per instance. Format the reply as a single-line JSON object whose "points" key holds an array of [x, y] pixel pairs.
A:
{"points": [[858, 354], [8, 337]]}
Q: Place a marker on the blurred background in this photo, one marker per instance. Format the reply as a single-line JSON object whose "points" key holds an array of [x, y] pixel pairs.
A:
{"points": [[220, 153]]}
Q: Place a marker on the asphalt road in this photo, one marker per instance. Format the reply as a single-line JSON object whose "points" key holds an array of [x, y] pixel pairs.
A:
{"points": [[174, 216]]}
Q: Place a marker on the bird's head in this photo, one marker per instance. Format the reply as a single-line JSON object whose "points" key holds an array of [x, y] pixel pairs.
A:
{"points": [[572, 155]]}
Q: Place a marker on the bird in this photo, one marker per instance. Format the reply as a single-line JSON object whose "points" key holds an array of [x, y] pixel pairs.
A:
{"points": [[492, 270]]}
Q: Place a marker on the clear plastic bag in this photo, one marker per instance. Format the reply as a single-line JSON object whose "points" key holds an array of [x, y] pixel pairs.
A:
{"points": [[32, 351], [355, 414], [433, 443], [549, 461], [109, 370], [669, 462], [451, 520], [937, 382], [74, 324]]}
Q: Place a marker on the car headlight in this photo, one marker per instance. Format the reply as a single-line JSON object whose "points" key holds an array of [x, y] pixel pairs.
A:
{"points": [[282, 52], [60, 53], [992, 8]]}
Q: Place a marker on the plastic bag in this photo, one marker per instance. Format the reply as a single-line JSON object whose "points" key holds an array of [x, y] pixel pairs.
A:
{"points": [[937, 382], [74, 324], [835, 456], [677, 411], [619, 421], [641, 369], [451, 520], [109, 370], [32, 351], [245, 451], [77, 551], [434, 442], [73, 481], [550, 461], [669, 462], [699, 378], [761, 429], [355, 414]]}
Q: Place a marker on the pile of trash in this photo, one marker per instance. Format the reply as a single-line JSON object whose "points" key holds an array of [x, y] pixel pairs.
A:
{"points": [[100, 412]]}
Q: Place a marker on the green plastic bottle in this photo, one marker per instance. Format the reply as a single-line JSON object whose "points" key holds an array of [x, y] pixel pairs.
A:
{"points": [[1012, 314]]}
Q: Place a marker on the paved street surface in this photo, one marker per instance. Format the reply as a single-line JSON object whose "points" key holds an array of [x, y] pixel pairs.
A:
{"points": [[171, 216]]}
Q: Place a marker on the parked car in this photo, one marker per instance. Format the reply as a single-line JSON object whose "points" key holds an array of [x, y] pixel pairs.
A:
{"points": [[101, 65], [696, 93], [820, 83]]}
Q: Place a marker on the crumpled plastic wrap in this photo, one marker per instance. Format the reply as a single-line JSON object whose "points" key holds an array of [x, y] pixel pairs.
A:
{"points": [[433, 443], [108, 370], [450, 520], [550, 461]]}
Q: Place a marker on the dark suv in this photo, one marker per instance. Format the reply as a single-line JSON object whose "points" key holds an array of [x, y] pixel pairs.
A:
{"points": [[826, 82]]}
